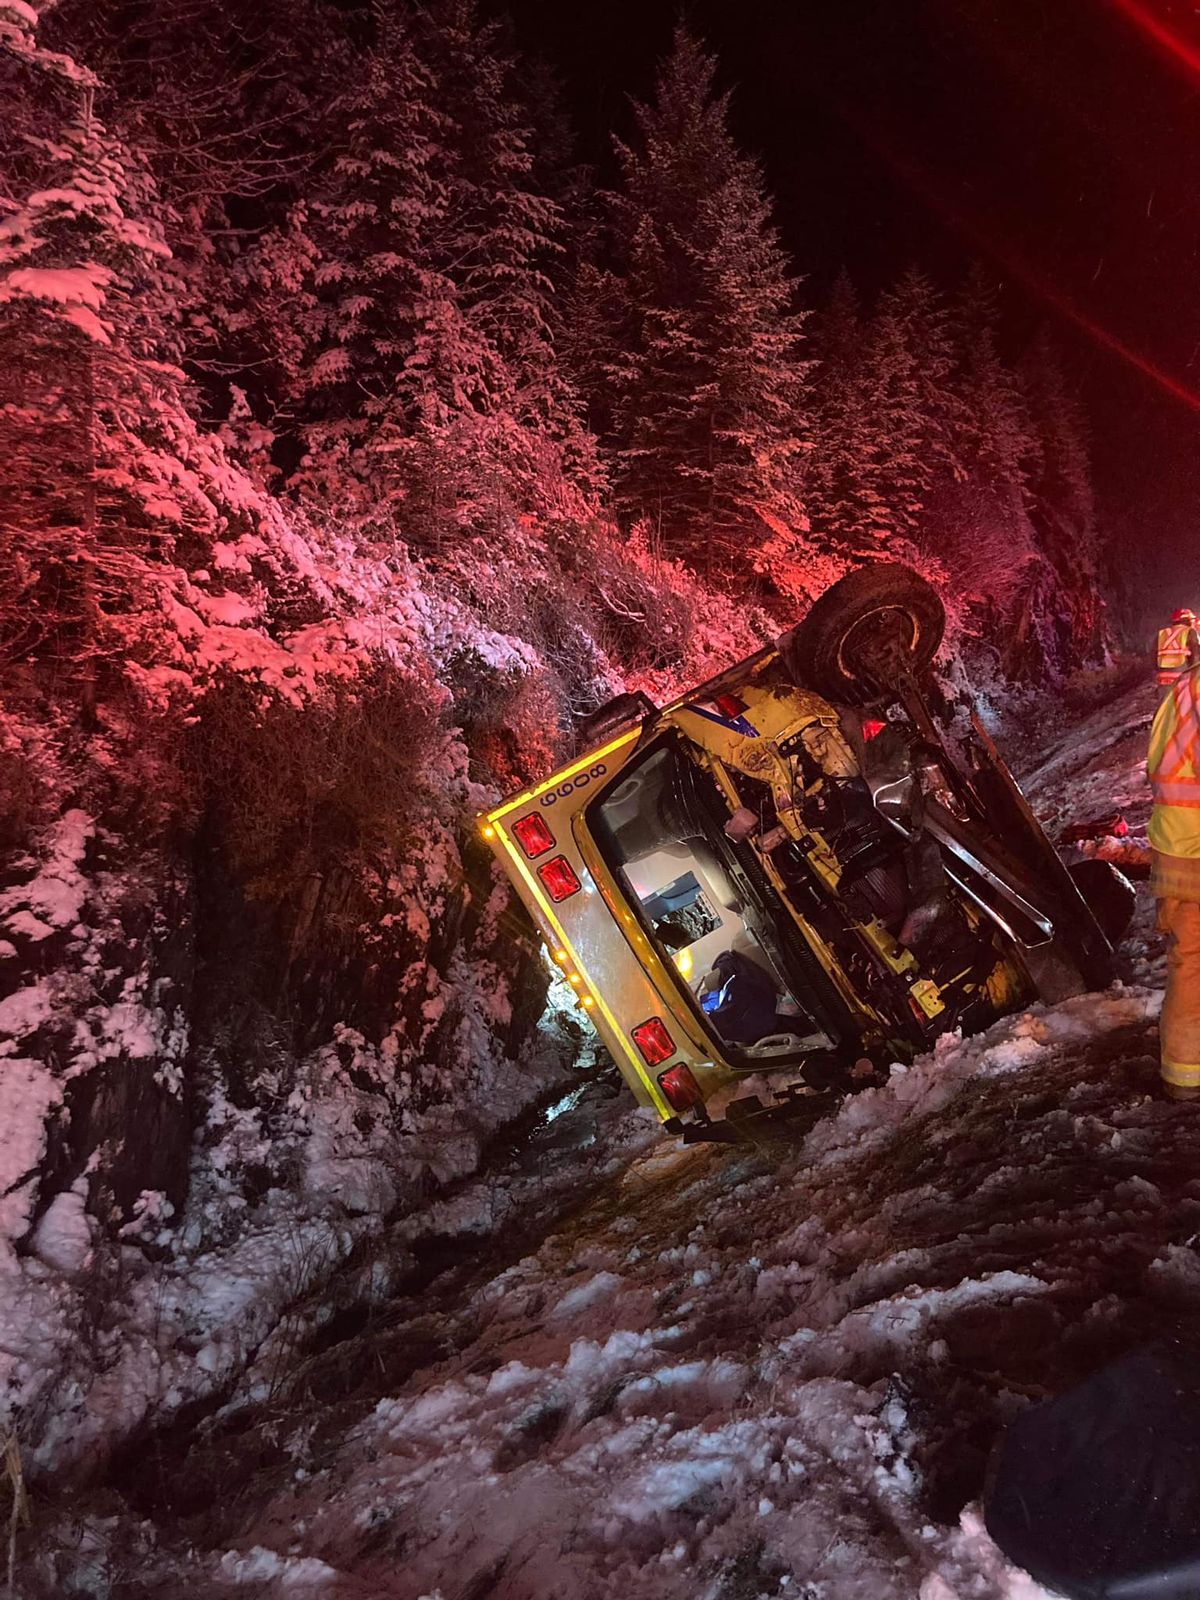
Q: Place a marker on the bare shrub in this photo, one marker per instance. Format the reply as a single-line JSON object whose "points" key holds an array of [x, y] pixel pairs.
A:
{"points": [[22, 798], [509, 717], [296, 789], [644, 604]]}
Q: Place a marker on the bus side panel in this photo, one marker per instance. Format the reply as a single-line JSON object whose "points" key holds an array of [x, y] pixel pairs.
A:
{"points": [[583, 928]]}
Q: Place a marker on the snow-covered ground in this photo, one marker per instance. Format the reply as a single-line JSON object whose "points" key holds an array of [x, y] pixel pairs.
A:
{"points": [[725, 1373]]}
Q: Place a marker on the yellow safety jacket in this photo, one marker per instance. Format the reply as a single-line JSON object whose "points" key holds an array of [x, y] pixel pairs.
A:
{"points": [[1175, 643], [1174, 768]]}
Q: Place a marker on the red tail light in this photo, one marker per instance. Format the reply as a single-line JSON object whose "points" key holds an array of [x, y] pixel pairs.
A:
{"points": [[533, 835], [653, 1040], [872, 727], [729, 705], [680, 1087], [559, 878]]}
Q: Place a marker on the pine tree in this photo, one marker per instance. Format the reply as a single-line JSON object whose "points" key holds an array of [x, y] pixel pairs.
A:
{"points": [[109, 473], [86, 385], [430, 374], [999, 552], [993, 436], [709, 393], [841, 483], [597, 325], [909, 363], [1063, 505], [229, 110], [371, 306], [1062, 487]]}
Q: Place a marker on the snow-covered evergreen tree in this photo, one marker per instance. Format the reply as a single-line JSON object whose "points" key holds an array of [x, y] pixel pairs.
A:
{"points": [[913, 408], [597, 325], [1062, 485], [90, 417], [1022, 600], [992, 432], [710, 391], [841, 483], [430, 376], [1062, 497], [230, 111]]}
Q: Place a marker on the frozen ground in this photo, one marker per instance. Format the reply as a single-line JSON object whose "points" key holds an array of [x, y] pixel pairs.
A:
{"points": [[771, 1371]]}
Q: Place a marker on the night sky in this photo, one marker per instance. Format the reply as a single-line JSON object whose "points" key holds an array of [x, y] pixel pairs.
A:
{"points": [[1055, 139]]}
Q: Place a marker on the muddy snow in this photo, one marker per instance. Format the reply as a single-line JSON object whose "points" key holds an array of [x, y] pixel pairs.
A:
{"points": [[618, 1367]]}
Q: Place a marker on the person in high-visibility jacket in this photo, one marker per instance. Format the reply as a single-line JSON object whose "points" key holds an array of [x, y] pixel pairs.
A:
{"points": [[1178, 646], [1174, 768]]}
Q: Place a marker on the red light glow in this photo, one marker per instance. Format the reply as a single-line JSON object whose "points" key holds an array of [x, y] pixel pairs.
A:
{"points": [[559, 879], [653, 1040], [680, 1087], [1187, 55], [988, 240], [533, 835]]}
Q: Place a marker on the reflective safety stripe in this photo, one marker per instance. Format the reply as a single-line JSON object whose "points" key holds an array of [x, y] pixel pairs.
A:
{"points": [[1174, 769], [1175, 735], [1176, 791], [1175, 877], [1173, 647], [1184, 1074], [1181, 747]]}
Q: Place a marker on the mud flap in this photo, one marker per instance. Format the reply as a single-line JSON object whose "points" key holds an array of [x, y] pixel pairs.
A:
{"points": [[711, 1133], [748, 1116], [1054, 977]]}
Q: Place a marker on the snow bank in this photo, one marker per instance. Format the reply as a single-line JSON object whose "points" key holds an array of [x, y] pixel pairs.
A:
{"points": [[744, 1373]]}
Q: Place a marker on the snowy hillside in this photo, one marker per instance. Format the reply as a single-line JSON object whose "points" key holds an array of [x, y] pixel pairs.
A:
{"points": [[356, 446], [337, 432], [720, 1373]]}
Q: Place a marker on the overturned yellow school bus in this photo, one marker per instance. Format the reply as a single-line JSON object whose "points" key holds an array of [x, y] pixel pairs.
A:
{"points": [[810, 864]]}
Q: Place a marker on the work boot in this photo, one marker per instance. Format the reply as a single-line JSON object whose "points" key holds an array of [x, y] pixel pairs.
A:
{"points": [[1181, 1091]]}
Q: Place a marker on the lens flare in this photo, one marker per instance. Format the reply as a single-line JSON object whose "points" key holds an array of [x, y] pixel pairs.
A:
{"points": [[1187, 55], [1011, 259]]}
